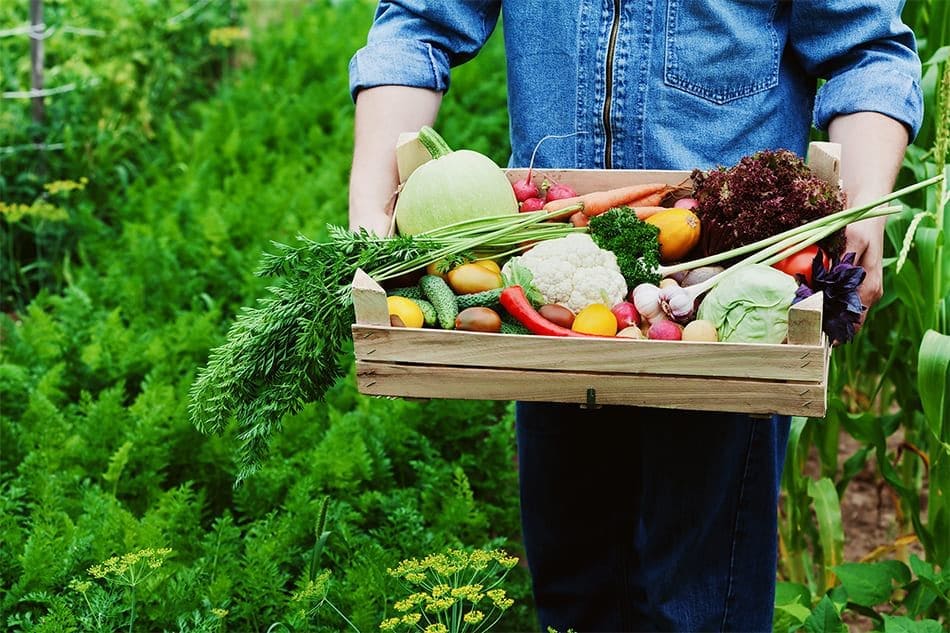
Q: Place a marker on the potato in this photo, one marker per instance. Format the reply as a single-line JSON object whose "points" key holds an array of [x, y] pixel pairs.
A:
{"points": [[557, 314], [471, 278], [478, 319]]}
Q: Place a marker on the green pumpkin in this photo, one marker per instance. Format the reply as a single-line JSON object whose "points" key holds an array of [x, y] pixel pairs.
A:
{"points": [[452, 187]]}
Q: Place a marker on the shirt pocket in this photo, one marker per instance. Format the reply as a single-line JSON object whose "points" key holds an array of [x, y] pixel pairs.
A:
{"points": [[722, 50]]}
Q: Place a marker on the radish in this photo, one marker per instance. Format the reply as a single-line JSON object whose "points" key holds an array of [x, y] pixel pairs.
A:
{"points": [[531, 204], [665, 331], [626, 314], [686, 203], [559, 192], [525, 189]]}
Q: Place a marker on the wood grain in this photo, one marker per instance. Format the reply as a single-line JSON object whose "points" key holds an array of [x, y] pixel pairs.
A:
{"points": [[703, 394], [628, 356], [369, 300], [804, 321], [588, 180]]}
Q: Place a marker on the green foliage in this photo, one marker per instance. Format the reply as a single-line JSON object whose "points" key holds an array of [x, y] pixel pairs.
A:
{"points": [[99, 457], [130, 65]]}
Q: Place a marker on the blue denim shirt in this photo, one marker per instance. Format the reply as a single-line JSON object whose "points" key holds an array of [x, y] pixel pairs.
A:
{"points": [[659, 84]]}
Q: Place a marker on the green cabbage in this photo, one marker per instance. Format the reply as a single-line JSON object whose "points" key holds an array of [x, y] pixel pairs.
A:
{"points": [[750, 305]]}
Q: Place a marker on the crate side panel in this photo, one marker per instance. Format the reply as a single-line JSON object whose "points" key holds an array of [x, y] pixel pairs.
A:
{"points": [[701, 394], [509, 351], [588, 180]]}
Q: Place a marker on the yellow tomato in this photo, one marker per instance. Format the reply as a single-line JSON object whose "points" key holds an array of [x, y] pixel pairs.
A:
{"points": [[407, 310], [471, 278], [490, 264], [595, 319]]}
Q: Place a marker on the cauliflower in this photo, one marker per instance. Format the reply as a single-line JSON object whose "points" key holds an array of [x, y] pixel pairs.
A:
{"points": [[574, 272]]}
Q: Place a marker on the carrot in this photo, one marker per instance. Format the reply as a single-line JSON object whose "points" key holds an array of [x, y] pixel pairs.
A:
{"points": [[646, 211], [652, 200], [597, 202]]}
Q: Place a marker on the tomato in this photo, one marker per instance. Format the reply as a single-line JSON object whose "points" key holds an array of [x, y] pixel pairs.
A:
{"points": [[407, 310], [800, 262], [490, 264], [471, 278], [595, 319]]}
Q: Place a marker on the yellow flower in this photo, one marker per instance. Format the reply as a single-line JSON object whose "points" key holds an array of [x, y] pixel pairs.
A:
{"points": [[82, 586], [473, 617], [499, 598], [435, 605], [60, 186], [390, 624], [219, 613], [411, 618], [438, 627], [228, 35]]}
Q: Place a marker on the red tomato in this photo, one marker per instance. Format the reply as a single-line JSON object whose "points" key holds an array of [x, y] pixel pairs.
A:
{"points": [[800, 262]]}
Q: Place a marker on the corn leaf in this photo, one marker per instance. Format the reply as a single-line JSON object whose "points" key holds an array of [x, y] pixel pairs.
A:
{"points": [[933, 380], [830, 533]]}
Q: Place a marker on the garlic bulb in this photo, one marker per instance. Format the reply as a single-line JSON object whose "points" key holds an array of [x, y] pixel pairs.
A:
{"points": [[646, 298], [676, 303]]}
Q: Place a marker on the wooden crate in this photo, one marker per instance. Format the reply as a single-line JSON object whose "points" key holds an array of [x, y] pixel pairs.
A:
{"points": [[789, 378]]}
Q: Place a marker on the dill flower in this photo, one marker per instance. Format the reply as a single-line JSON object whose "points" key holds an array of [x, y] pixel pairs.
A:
{"points": [[473, 617], [390, 624], [437, 627]]}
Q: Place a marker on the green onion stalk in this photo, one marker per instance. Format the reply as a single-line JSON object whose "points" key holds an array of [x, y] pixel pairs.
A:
{"points": [[777, 247]]}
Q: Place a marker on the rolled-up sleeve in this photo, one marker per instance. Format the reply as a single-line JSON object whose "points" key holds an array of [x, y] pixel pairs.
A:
{"points": [[415, 43], [867, 56]]}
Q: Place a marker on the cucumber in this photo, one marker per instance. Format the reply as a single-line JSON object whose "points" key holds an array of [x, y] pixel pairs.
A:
{"points": [[409, 292], [485, 299], [443, 300], [513, 327], [429, 314]]}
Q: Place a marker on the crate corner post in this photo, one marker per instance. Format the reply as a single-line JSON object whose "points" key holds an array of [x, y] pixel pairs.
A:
{"points": [[804, 321], [369, 300]]}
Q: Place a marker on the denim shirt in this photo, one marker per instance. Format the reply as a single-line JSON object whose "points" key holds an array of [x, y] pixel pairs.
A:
{"points": [[659, 84]]}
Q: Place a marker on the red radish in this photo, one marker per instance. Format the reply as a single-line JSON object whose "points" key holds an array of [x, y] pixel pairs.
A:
{"points": [[626, 314], [665, 331], [686, 203], [559, 192], [532, 204], [525, 189]]}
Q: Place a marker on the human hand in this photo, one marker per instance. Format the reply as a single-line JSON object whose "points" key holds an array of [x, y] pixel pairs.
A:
{"points": [[866, 240]]}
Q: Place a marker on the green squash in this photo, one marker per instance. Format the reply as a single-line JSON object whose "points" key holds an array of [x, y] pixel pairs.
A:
{"points": [[452, 187]]}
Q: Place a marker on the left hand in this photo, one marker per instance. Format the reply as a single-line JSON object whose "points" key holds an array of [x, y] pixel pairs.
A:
{"points": [[866, 240]]}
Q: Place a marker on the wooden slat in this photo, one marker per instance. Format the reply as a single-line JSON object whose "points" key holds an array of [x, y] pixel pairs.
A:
{"points": [[476, 349], [587, 180], [704, 394]]}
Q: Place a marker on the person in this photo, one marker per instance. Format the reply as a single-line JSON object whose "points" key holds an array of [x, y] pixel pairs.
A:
{"points": [[651, 519]]}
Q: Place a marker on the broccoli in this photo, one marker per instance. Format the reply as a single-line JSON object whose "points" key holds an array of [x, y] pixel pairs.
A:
{"points": [[633, 241]]}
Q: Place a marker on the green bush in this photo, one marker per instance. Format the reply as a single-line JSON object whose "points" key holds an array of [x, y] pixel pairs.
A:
{"points": [[99, 458]]}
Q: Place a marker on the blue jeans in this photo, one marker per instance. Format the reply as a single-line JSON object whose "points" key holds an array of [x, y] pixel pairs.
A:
{"points": [[650, 519]]}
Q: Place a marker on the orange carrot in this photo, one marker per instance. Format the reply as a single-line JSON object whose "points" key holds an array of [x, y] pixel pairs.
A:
{"points": [[597, 202], [644, 212], [652, 200]]}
